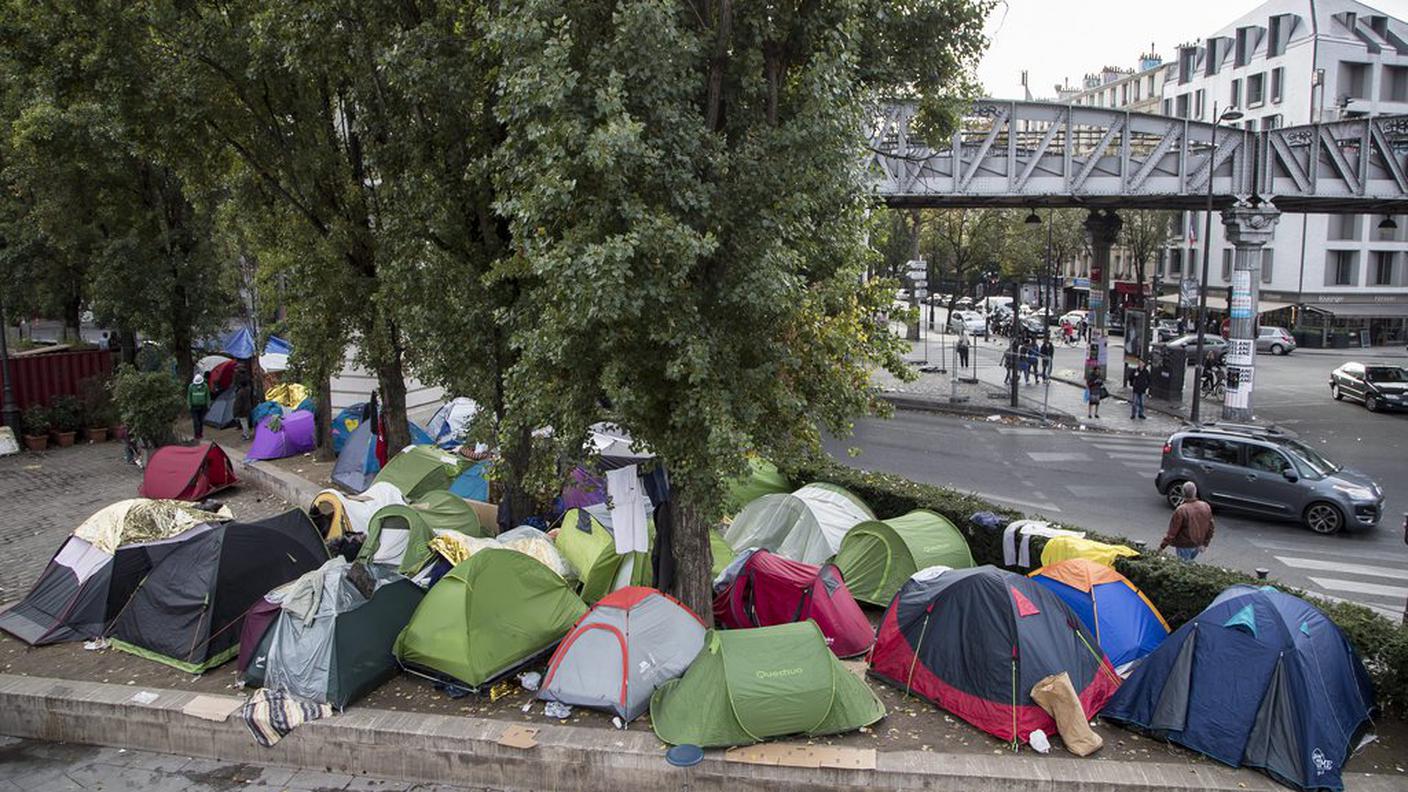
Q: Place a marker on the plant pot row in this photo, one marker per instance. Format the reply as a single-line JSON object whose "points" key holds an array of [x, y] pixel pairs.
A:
{"points": [[95, 434]]}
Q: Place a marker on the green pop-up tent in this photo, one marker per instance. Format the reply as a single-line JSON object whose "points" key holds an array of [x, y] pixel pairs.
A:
{"points": [[399, 534], [762, 479], [878, 556], [487, 616], [753, 685], [421, 469], [591, 550]]}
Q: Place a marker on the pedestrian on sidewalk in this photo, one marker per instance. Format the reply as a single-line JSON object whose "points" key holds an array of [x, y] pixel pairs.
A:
{"points": [[1084, 329], [1024, 371], [1190, 528], [1094, 392], [1139, 385], [1034, 360], [244, 399], [1046, 351], [962, 349], [198, 399], [1009, 365]]}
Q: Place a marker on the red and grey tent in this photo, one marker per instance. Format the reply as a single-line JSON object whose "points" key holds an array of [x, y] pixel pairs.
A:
{"points": [[632, 641], [976, 641], [770, 589], [187, 473]]}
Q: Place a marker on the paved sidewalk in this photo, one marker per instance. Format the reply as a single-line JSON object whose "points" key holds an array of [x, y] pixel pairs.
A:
{"points": [[1062, 399]]}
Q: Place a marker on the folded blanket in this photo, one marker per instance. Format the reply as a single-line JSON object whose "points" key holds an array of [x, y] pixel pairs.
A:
{"points": [[272, 714]]}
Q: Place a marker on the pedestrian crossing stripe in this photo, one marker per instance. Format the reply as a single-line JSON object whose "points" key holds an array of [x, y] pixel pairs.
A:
{"points": [[1343, 568]]}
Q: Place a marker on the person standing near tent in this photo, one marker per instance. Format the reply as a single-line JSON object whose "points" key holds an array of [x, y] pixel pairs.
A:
{"points": [[198, 399], [244, 399], [1191, 527]]}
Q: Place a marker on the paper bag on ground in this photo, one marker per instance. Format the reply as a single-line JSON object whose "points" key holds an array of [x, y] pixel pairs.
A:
{"points": [[1057, 696]]}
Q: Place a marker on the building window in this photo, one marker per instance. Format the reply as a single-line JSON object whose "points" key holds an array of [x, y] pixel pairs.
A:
{"points": [[1354, 80], [1266, 262], [1256, 90], [1112, 97], [1277, 31], [1175, 262], [1182, 106], [1395, 87], [1383, 268], [1341, 270], [1168, 107], [1199, 100], [1278, 80], [1136, 90], [1344, 227], [1244, 45], [1124, 94], [1151, 86], [1271, 122], [1227, 264], [1236, 98]]}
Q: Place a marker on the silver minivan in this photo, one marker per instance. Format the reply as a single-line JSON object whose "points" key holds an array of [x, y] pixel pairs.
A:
{"points": [[1269, 473]]}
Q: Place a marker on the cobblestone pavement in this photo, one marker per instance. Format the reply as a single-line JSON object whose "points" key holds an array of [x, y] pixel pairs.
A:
{"points": [[64, 767], [44, 496]]}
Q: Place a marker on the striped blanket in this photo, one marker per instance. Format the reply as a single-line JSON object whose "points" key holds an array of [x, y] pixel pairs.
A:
{"points": [[272, 714]]}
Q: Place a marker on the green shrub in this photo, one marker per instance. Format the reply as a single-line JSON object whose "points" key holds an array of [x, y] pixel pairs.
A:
{"points": [[98, 409], [67, 413], [1179, 590], [149, 402], [36, 421]]}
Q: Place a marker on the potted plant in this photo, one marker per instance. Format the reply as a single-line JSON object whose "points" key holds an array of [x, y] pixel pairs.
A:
{"points": [[97, 408], [36, 427], [68, 418]]}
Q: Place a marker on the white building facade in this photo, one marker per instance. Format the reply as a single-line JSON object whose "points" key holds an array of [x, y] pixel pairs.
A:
{"points": [[1292, 62]]}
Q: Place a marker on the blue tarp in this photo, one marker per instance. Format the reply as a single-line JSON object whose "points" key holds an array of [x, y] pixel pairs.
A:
{"points": [[238, 344], [473, 483], [263, 410], [277, 346]]}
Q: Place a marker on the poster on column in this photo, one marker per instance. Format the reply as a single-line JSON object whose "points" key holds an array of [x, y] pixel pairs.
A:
{"points": [[1241, 307], [1240, 351], [1239, 386]]}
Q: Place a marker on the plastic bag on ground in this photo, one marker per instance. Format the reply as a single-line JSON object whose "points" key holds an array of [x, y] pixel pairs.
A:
{"points": [[1037, 740], [1057, 696]]}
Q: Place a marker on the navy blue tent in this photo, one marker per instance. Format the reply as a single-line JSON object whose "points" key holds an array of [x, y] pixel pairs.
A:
{"points": [[1260, 678]]}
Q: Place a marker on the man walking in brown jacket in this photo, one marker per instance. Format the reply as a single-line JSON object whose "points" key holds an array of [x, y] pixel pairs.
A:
{"points": [[1190, 528]]}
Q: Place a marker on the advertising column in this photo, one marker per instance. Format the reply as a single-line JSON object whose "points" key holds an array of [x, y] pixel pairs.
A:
{"points": [[1248, 228]]}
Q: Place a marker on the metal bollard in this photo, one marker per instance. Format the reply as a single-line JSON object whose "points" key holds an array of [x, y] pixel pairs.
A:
{"points": [[1262, 572]]}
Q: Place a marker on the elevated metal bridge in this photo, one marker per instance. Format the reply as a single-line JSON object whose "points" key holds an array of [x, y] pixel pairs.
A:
{"points": [[1034, 154]]}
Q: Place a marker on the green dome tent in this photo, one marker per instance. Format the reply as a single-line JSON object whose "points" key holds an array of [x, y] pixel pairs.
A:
{"points": [[723, 554], [421, 469], [400, 534], [586, 544], [752, 685], [487, 616], [762, 479], [806, 525], [878, 556]]}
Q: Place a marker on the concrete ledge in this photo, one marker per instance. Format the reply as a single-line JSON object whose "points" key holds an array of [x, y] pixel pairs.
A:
{"points": [[294, 489], [464, 751], [903, 401]]}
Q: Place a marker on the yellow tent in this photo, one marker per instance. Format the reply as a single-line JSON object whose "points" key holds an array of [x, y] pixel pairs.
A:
{"points": [[1061, 548]]}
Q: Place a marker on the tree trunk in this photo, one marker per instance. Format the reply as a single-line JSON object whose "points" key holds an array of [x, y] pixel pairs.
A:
{"points": [[517, 458], [391, 380], [718, 63], [322, 426], [73, 319], [694, 558]]}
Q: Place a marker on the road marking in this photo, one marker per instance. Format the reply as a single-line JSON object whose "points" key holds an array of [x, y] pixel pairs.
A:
{"points": [[1335, 584], [1058, 456], [1339, 566], [1050, 507], [1145, 457], [1094, 491], [1269, 544], [1021, 430], [1148, 474], [1383, 610]]}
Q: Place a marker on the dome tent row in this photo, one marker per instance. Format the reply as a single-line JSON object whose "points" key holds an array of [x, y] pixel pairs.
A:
{"points": [[806, 525], [1124, 622]]}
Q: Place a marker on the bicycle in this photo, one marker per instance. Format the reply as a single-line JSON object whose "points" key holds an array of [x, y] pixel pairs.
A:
{"points": [[1214, 382]]}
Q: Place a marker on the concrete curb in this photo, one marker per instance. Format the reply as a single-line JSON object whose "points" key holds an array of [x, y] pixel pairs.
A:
{"points": [[465, 751], [292, 488], [904, 401]]}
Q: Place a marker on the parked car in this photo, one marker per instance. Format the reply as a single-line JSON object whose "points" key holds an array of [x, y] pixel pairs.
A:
{"points": [[1269, 473], [1377, 387], [1114, 324], [1276, 340], [964, 303], [970, 321], [1165, 330], [1073, 317], [1189, 343]]}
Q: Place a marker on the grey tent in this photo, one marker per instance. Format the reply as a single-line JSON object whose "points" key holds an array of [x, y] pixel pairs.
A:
{"points": [[356, 466], [630, 643], [221, 414], [336, 648]]}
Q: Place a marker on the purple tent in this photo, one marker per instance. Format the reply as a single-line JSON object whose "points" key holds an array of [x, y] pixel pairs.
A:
{"points": [[294, 436], [585, 489]]}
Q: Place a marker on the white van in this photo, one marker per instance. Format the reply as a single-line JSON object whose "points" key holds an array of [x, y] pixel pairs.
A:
{"points": [[987, 304]]}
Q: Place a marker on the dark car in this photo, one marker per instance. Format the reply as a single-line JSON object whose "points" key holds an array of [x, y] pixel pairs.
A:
{"points": [[1269, 473], [1114, 325], [1189, 343], [1378, 387]]}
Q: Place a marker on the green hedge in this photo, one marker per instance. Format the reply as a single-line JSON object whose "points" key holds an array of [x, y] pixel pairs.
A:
{"points": [[1180, 590]]}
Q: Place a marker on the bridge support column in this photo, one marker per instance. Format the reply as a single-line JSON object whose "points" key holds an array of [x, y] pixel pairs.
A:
{"points": [[1248, 228], [1101, 230]]}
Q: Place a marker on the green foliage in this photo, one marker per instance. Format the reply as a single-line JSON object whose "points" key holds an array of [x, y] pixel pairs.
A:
{"points": [[36, 420], [1180, 590], [96, 395], [67, 414], [148, 401]]}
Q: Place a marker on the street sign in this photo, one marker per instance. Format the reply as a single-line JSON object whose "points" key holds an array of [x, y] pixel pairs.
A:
{"points": [[919, 283]]}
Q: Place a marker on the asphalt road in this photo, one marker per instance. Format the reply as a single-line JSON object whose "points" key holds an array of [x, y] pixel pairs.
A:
{"points": [[1104, 480]]}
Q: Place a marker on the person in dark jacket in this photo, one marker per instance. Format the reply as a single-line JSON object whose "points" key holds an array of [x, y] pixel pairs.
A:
{"points": [[1094, 392], [1047, 351], [962, 349], [1139, 385], [1190, 529], [1034, 361], [244, 399], [198, 400]]}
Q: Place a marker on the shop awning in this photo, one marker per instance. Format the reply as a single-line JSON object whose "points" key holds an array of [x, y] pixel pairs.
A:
{"points": [[1361, 310], [1216, 303]]}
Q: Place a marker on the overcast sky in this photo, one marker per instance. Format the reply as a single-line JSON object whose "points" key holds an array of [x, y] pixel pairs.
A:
{"points": [[1056, 40]]}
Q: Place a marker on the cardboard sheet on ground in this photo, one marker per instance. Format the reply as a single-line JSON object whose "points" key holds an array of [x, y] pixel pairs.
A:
{"points": [[519, 737], [787, 754], [213, 708]]}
